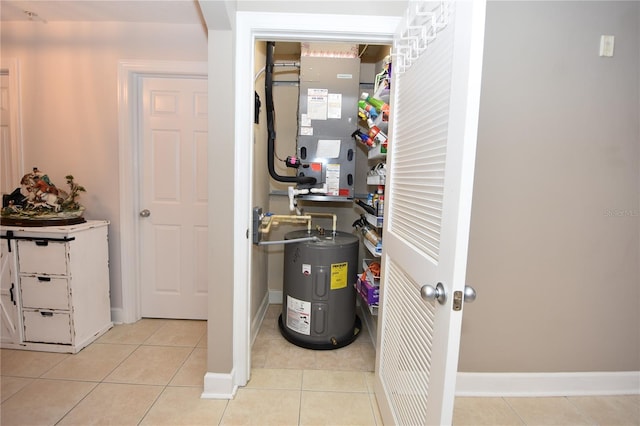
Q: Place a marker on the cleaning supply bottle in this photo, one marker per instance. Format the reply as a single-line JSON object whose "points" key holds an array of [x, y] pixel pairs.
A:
{"points": [[379, 105], [370, 110], [376, 134], [371, 235], [380, 203]]}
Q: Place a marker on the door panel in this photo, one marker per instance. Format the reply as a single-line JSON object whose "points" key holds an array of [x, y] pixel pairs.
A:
{"points": [[9, 325], [435, 101], [174, 190]]}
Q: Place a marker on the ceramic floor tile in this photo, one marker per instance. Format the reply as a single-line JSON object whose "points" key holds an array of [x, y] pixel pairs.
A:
{"points": [[150, 365], [350, 357], [28, 363], [43, 402], [370, 378], [282, 354], [10, 385], [93, 363], [269, 330], [483, 411], [341, 381], [113, 404], [132, 334], [275, 378], [609, 410], [548, 411], [376, 409], [183, 406], [336, 408], [259, 353], [202, 343], [178, 333], [193, 370], [273, 312], [263, 407]]}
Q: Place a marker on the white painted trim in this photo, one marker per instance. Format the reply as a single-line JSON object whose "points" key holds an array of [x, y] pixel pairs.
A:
{"points": [[117, 316], [252, 26], [548, 384], [12, 65], [275, 297], [219, 386], [130, 73], [259, 318]]}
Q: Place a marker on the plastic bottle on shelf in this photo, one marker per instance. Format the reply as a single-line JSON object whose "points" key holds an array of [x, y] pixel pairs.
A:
{"points": [[367, 232], [379, 204], [378, 104], [369, 109], [376, 134]]}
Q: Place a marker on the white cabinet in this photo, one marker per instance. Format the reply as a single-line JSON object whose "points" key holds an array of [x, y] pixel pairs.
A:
{"points": [[54, 294]]}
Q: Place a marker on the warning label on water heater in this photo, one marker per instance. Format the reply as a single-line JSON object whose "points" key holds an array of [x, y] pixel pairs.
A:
{"points": [[299, 315], [339, 275]]}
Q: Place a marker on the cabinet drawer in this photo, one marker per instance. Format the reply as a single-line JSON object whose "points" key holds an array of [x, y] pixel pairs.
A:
{"points": [[47, 327], [44, 292], [44, 257]]}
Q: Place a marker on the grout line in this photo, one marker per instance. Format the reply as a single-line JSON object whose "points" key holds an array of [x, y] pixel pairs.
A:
{"points": [[514, 411]]}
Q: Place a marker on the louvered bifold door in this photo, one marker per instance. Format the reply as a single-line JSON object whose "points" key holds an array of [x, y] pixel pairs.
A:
{"points": [[422, 201]]}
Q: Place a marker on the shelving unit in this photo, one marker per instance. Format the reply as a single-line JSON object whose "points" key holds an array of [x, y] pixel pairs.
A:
{"points": [[368, 285]]}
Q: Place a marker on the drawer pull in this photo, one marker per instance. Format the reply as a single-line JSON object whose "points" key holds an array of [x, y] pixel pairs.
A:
{"points": [[46, 279], [42, 243], [46, 314]]}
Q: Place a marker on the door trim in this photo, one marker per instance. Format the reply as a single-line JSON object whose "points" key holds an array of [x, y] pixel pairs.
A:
{"points": [[12, 67], [130, 75], [252, 27]]}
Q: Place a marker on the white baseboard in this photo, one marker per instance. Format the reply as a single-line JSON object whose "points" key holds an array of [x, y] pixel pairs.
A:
{"points": [[117, 315], [548, 384], [256, 322], [219, 386], [275, 297]]}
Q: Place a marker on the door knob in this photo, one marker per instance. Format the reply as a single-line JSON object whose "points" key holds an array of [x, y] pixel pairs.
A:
{"points": [[438, 293], [145, 213], [469, 294]]}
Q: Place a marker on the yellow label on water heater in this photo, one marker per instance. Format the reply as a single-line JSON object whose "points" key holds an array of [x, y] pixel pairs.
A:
{"points": [[339, 275]]}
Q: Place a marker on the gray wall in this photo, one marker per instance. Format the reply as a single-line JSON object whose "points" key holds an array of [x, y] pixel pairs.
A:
{"points": [[554, 249]]}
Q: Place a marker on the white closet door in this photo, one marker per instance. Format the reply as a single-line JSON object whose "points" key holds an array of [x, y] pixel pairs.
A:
{"points": [[435, 102], [174, 198]]}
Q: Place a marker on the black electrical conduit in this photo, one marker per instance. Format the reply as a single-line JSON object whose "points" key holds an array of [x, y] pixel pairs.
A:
{"points": [[268, 90]]}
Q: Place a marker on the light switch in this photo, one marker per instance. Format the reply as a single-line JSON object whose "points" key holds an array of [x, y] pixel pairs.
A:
{"points": [[606, 45]]}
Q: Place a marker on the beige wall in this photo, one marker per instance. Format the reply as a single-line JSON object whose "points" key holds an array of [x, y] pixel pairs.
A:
{"points": [[68, 76], [554, 262], [554, 249], [259, 271]]}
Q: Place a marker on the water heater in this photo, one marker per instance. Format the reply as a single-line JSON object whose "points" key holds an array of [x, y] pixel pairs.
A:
{"points": [[319, 300]]}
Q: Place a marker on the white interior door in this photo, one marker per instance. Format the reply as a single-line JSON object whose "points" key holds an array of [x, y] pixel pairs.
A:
{"points": [[173, 204], [435, 101]]}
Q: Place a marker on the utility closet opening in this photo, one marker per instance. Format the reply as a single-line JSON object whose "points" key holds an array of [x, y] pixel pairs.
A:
{"points": [[330, 134]]}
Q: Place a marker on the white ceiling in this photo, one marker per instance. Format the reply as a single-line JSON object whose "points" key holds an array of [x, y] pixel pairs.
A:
{"points": [[159, 11]]}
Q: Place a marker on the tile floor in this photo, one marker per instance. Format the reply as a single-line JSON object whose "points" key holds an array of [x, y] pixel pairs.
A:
{"points": [[151, 373]]}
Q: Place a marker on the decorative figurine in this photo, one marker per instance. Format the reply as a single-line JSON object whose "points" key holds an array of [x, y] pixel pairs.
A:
{"points": [[38, 202]]}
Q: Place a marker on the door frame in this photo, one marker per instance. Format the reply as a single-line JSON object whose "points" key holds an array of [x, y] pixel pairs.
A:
{"points": [[130, 75], [12, 67], [250, 28]]}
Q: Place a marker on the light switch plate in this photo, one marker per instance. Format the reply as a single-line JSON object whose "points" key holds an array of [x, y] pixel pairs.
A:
{"points": [[606, 45]]}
